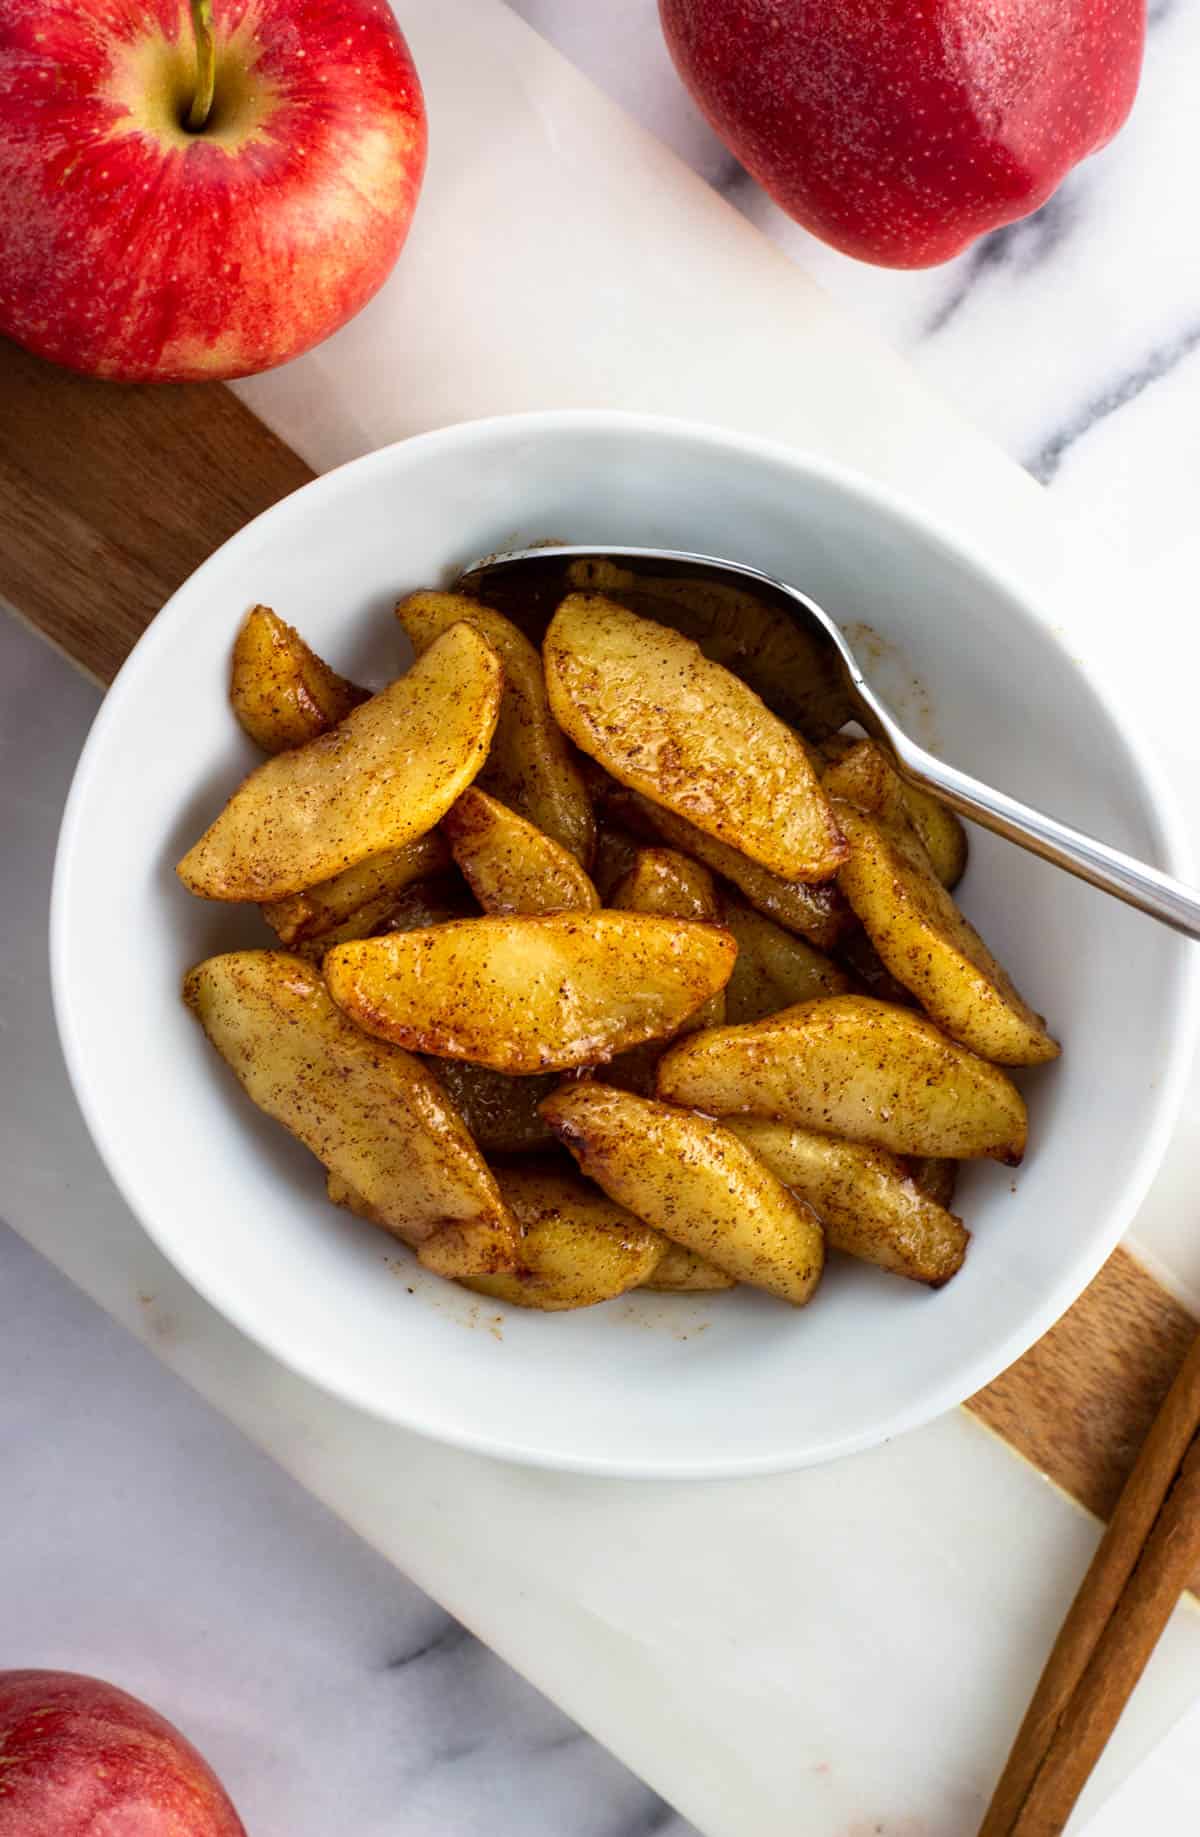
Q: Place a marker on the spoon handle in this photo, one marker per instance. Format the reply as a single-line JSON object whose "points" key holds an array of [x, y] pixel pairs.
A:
{"points": [[1147, 888]]}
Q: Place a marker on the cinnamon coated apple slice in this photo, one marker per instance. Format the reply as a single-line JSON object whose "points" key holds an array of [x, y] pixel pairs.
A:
{"points": [[384, 776], [361, 896], [511, 866], [528, 995], [855, 1067], [376, 1117], [868, 1200], [694, 1181], [530, 765], [282, 693], [931, 948], [662, 718], [577, 1246]]}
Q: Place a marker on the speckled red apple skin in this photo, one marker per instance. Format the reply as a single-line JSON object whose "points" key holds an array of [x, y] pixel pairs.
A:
{"points": [[133, 251], [80, 1758], [900, 130]]}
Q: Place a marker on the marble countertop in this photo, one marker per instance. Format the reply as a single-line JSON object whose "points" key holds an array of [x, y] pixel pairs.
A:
{"points": [[143, 1538]]}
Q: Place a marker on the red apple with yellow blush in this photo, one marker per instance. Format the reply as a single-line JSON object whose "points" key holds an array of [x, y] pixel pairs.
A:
{"points": [[199, 188], [900, 130], [80, 1758]]}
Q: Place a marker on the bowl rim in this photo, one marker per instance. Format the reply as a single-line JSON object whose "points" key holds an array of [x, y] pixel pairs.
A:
{"points": [[1163, 813]]}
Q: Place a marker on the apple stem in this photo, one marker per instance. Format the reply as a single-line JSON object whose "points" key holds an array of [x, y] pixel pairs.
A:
{"points": [[202, 100]]}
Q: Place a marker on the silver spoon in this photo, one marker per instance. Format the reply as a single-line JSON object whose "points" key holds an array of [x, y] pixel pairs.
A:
{"points": [[794, 656]]}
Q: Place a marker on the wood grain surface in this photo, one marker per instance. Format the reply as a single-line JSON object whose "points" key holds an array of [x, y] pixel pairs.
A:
{"points": [[110, 496], [1078, 1405]]}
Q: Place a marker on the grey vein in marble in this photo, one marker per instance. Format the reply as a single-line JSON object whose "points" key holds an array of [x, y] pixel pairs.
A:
{"points": [[1159, 363], [1020, 245], [204, 1579], [448, 1638], [656, 1819]]}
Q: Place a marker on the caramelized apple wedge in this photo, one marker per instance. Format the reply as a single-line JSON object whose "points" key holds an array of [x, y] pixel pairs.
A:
{"points": [[281, 692], [374, 1115], [855, 1067], [682, 1272], [688, 734], [530, 765], [387, 774], [662, 880], [774, 968], [863, 776], [509, 865], [577, 1247], [867, 1200], [361, 896], [528, 995], [819, 914], [932, 949], [695, 1182]]}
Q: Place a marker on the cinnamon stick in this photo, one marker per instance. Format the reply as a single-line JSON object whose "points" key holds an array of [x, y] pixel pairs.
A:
{"points": [[1121, 1655], [1101, 1649]]}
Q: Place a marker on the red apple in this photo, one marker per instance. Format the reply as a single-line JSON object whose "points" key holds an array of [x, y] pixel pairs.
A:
{"points": [[149, 234], [80, 1758], [900, 130]]}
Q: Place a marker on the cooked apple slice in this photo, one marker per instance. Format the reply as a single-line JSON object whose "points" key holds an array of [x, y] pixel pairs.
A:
{"points": [[530, 995], [384, 776], [817, 913], [282, 693], [361, 896], [867, 1200], [615, 854], [685, 732], [937, 1178], [431, 902], [663, 882], [774, 969], [374, 1115], [425, 902], [791, 669], [509, 865], [577, 1247], [855, 1067], [864, 777], [500, 1111], [530, 764], [932, 949], [696, 1182], [682, 1272]]}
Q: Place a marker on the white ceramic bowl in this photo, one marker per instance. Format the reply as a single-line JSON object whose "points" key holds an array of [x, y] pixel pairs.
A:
{"points": [[650, 1385]]}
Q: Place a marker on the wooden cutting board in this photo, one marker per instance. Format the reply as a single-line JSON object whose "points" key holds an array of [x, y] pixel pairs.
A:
{"points": [[111, 496]]}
